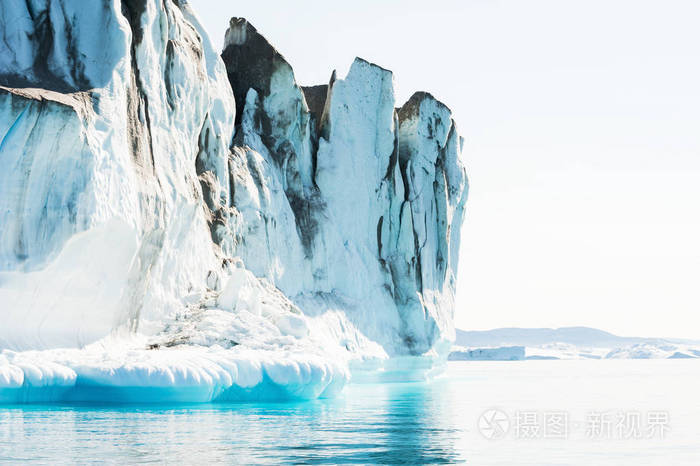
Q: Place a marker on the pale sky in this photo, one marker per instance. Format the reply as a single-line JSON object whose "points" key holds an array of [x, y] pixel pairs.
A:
{"points": [[582, 128]]}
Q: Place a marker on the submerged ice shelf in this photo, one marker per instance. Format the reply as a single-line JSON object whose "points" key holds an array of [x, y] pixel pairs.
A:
{"points": [[194, 374], [180, 225]]}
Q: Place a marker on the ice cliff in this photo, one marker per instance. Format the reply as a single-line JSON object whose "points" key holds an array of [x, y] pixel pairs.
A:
{"points": [[181, 225]]}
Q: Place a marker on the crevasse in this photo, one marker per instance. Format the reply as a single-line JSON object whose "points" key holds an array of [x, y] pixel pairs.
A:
{"points": [[179, 225]]}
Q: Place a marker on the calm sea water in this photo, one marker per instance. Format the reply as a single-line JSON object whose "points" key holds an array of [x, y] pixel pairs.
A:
{"points": [[509, 413]]}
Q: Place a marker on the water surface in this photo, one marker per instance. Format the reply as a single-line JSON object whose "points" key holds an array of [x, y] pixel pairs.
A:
{"points": [[436, 422]]}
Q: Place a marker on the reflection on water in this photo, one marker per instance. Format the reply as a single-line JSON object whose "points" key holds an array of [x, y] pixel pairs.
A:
{"points": [[415, 423], [394, 423], [397, 423]]}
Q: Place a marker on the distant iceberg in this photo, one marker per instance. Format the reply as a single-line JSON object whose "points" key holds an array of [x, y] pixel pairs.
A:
{"points": [[504, 353], [509, 344]]}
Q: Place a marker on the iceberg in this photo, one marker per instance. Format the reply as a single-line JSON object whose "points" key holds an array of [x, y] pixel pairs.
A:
{"points": [[180, 225], [504, 353], [565, 343]]}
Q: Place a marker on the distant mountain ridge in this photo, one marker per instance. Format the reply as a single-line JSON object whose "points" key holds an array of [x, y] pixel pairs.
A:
{"points": [[578, 336]]}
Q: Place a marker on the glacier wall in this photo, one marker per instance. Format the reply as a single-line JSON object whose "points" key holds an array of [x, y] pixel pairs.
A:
{"points": [[172, 218], [373, 193]]}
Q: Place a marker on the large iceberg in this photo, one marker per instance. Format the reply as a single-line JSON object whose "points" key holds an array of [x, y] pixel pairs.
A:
{"points": [[179, 225]]}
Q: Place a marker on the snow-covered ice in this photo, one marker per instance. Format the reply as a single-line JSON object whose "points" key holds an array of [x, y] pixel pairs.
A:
{"points": [[503, 353], [176, 225], [566, 343]]}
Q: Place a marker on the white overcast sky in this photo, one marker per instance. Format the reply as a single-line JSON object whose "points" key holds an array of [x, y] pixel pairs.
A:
{"points": [[582, 128]]}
